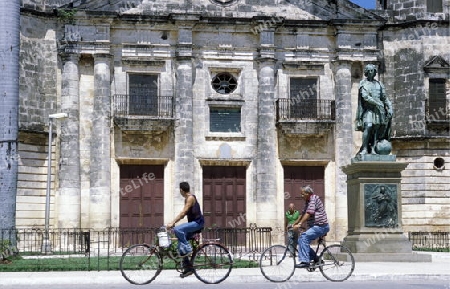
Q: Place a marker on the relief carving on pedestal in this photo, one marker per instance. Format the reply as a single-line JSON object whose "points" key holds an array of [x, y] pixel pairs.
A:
{"points": [[380, 205]]}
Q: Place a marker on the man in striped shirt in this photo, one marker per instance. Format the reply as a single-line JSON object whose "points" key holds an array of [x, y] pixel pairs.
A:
{"points": [[315, 216]]}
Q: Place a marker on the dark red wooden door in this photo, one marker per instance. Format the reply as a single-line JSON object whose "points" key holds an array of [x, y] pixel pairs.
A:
{"points": [[297, 177], [141, 196], [224, 196]]}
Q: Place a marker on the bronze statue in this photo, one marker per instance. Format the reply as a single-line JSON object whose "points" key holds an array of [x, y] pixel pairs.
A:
{"points": [[374, 113]]}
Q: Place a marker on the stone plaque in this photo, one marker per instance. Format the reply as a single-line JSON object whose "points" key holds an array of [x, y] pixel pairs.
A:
{"points": [[380, 205]]}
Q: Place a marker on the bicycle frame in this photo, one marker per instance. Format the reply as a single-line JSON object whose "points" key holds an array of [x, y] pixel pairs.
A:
{"points": [[336, 263], [321, 241], [206, 258], [166, 253]]}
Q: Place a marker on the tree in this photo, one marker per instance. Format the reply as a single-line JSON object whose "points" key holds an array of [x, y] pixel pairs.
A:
{"points": [[9, 105]]}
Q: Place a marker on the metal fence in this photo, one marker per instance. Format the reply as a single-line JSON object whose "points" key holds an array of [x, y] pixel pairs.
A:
{"points": [[86, 249], [430, 240]]}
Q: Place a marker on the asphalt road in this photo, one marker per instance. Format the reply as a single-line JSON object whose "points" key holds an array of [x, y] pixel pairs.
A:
{"points": [[429, 284]]}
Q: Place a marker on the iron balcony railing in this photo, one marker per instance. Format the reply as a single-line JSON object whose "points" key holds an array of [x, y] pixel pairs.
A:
{"points": [[316, 109], [125, 105]]}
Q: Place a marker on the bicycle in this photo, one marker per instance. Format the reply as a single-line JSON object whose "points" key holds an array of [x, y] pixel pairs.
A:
{"points": [[336, 262], [142, 263]]}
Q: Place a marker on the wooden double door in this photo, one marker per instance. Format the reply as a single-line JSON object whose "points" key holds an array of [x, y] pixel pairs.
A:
{"points": [[296, 177]]}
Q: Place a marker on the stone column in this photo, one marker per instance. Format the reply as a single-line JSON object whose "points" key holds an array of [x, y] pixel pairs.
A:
{"points": [[100, 167], [266, 153], [69, 193], [184, 146], [343, 141]]}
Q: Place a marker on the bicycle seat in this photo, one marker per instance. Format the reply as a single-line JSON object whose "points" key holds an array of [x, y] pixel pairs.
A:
{"points": [[196, 235], [321, 238]]}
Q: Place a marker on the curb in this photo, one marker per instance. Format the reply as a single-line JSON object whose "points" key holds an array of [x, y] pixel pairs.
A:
{"points": [[172, 277]]}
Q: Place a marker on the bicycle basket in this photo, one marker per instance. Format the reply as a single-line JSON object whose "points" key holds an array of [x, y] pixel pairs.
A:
{"points": [[163, 237]]}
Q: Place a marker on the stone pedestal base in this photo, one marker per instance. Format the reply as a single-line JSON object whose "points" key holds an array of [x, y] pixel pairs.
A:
{"points": [[392, 257], [374, 211], [378, 243], [383, 247]]}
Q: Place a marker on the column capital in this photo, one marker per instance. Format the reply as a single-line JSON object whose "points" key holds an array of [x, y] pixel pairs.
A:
{"points": [[73, 57], [266, 60], [341, 62], [183, 52], [106, 56]]}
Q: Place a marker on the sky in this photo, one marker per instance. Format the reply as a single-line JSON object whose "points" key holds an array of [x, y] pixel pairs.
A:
{"points": [[368, 4]]}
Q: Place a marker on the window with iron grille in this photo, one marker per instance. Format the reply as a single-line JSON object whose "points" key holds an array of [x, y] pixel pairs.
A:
{"points": [[303, 98], [143, 94], [225, 119], [437, 103], [224, 83]]}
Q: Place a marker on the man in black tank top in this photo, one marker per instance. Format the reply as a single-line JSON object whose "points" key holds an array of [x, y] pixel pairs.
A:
{"points": [[185, 231]]}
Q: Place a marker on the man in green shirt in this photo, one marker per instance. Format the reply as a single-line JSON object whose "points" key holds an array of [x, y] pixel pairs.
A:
{"points": [[291, 216]]}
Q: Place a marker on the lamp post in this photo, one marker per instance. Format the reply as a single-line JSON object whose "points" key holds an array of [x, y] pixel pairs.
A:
{"points": [[46, 245]]}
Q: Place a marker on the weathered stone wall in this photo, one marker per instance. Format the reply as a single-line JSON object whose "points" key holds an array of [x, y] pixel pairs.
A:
{"points": [[416, 9], [38, 83], [425, 194], [43, 5], [38, 99], [32, 180], [424, 188], [186, 51]]}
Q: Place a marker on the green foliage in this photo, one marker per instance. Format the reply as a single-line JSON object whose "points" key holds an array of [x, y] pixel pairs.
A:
{"points": [[67, 15], [8, 253], [72, 263], [432, 249]]}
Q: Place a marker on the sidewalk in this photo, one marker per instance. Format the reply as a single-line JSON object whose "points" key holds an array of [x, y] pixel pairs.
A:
{"points": [[438, 269]]}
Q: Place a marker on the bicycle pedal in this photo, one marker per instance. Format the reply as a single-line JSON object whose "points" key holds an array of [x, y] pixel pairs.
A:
{"points": [[311, 269], [187, 273]]}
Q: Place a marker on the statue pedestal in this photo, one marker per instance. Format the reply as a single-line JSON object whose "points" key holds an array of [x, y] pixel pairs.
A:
{"points": [[374, 211]]}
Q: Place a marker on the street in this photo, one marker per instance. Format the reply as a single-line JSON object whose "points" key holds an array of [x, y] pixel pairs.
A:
{"points": [[412, 284]]}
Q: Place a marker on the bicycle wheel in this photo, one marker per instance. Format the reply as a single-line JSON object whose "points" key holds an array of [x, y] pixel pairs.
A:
{"points": [[212, 263], [140, 264], [276, 264], [338, 263]]}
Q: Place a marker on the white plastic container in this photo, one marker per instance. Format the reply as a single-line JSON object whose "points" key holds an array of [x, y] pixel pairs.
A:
{"points": [[164, 239]]}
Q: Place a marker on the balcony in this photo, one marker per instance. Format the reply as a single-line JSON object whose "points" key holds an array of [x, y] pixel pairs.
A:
{"points": [[308, 117], [142, 112]]}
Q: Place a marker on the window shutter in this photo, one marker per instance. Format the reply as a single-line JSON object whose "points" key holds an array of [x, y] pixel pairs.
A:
{"points": [[225, 120], [437, 104], [143, 93], [303, 97], [434, 6]]}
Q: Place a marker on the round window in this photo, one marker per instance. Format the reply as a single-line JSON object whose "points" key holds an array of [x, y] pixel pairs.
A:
{"points": [[439, 164], [224, 83]]}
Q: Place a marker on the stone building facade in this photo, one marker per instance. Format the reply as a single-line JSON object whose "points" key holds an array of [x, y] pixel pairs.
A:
{"points": [[246, 100]]}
